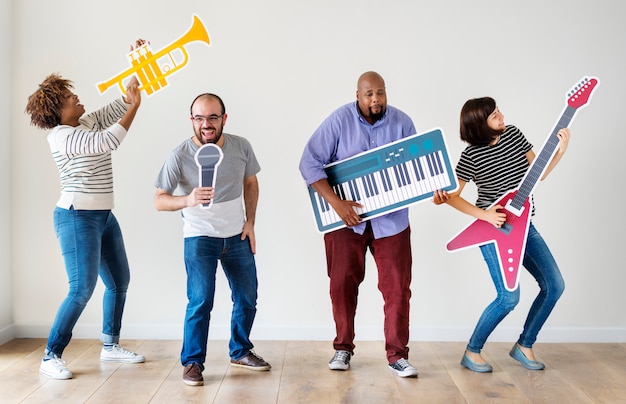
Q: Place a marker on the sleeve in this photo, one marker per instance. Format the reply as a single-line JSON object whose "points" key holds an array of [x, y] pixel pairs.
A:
{"points": [[320, 150], [252, 164], [526, 146], [105, 116], [170, 174], [81, 141], [465, 169], [97, 133], [518, 139], [407, 124]]}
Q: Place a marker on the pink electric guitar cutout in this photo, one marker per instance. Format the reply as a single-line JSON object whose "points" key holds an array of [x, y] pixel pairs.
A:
{"points": [[510, 239]]}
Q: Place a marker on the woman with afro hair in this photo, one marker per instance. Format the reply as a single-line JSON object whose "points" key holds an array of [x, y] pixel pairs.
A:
{"points": [[88, 232]]}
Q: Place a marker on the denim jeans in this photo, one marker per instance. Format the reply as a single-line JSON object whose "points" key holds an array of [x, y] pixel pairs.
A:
{"points": [[540, 263], [92, 244], [237, 261]]}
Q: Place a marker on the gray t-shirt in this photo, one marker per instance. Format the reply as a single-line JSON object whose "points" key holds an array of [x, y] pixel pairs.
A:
{"points": [[180, 175]]}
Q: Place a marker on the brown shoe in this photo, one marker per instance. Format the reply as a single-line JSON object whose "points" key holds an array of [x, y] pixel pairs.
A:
{"points": [[251, 361], [192, 375]]}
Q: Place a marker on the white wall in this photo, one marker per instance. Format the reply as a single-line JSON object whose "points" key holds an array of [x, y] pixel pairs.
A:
{"points": [[6, 296], [282, 67]]}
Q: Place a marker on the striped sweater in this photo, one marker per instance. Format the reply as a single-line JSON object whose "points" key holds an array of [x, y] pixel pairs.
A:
{"points": [[495, 169], [83, 156]]}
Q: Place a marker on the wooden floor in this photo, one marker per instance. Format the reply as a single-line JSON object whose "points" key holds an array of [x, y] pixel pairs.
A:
{"points": [[575, 373]]}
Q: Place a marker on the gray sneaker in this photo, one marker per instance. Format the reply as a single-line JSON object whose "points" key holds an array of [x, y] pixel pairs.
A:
{"points": [[341, 361], [403, 368]]}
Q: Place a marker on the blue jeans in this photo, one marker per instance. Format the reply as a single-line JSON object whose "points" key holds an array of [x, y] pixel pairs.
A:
{"points": [[237, 259], [541, 265], [92, 244]]}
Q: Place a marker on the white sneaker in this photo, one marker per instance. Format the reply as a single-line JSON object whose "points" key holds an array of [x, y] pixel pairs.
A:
{"points": [[55, 368], [403, 368], [341, 361], [119, 354]]}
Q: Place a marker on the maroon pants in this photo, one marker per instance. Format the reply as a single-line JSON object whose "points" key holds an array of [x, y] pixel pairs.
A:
{"points": [[345, 258]]}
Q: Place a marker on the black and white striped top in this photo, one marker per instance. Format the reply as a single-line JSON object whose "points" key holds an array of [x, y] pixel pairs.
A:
{"points": [[495, 169], [83, 156]]}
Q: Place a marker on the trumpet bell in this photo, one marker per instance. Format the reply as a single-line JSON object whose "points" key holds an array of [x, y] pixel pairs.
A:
{"points": [[197, 32]]}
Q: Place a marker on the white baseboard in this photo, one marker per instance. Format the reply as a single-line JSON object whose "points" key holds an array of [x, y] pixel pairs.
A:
{"points": [[7, 334], [319, 333]]}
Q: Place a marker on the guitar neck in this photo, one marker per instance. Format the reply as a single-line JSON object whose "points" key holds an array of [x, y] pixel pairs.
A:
{"points": [[539, 165]]}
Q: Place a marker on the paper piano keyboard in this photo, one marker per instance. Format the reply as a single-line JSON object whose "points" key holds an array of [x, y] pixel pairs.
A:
{"points": [[387, 178]]}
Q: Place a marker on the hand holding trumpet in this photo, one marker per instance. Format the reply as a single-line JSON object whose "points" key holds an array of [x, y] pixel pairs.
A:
{"points": [[133, 95], [138, 44]]}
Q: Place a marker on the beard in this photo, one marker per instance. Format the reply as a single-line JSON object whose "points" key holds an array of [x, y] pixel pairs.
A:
{"points": [[203, 140], [376, 116]]}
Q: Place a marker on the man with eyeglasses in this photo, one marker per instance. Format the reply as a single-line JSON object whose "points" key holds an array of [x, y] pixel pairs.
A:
{"points": [[224, 232]]}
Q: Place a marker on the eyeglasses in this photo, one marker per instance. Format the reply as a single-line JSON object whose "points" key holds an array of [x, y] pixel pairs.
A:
{"points": [[211, 118]]}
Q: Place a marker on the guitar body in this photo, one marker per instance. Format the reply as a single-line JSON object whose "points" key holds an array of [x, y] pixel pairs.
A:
{"points": [[509, 240]]}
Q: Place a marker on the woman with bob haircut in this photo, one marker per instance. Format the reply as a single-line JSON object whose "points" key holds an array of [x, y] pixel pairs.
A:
{"points": [[496, 159]]}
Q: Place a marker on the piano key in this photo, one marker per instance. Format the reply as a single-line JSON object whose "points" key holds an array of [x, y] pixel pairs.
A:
{"points": [[343, 191], [437, 178], [410, 190], [371, 202], [438, 161], [437, 168], [431, 169], [397, 176], [322, 203], [399, 190], [428, 178], [385, 174], [392, 193], [353, 192], [414, 188], [419, 174], [375, 185], [340, 192], [366, 187], [374, 196], [419, 169], [379, 177]]}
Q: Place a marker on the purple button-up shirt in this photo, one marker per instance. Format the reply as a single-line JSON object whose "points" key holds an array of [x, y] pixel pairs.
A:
{"points": [[346, 133]]}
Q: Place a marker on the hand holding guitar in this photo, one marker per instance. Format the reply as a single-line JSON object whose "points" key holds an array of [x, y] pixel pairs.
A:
{"points": [[563, 136], [495, 216]]}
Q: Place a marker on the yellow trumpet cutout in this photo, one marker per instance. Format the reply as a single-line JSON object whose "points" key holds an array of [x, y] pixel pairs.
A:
{"points": [[151, 69]]}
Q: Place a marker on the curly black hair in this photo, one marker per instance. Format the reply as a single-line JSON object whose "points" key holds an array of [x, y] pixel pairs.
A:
{"points": [[44, 105]]}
